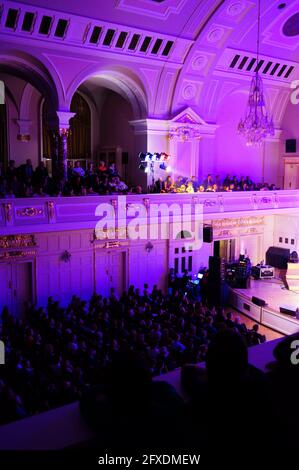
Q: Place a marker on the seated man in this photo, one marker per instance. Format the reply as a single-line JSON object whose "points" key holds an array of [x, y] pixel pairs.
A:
{"points": [[195, 183], [178, 182], [112, 170], [78, 170], [158, 185], [208, 182], [120, 186]]}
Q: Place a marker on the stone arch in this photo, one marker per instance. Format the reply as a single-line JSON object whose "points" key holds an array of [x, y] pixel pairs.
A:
{"points": [[120, 80], [38, 74]]}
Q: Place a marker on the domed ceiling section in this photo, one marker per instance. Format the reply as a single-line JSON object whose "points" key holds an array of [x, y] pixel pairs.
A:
{"points": [[187, 52]]}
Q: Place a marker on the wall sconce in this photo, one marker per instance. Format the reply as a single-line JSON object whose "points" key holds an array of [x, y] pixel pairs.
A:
{"points": [[66, 256], [148, 247]]}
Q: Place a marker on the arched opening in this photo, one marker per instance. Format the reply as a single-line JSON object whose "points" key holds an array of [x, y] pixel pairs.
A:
{"points": [[101, 129], [27, 85], [3, 136], [79, 140]]}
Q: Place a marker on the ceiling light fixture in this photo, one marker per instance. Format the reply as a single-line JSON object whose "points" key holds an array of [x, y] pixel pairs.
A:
{"points": [[257, 124]]}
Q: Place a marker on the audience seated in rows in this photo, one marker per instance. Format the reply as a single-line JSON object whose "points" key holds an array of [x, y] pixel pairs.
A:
{"points": [[54, 352], [227, 406], [24, 181], [209, 184]]}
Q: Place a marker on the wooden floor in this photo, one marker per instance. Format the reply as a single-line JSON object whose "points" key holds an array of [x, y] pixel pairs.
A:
{"points": [[270, 334]]}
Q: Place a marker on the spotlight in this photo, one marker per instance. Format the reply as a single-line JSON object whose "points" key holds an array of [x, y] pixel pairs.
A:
{"points": [[141, 155], [163, 166], [164, 156], [156, 156], [142, 167], [148, 157]]}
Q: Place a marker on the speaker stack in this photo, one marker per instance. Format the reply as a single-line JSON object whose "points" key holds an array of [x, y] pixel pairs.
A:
{"points": [[217, 287], [207, 234]]}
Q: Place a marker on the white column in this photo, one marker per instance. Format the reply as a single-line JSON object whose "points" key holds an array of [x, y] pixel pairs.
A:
{"points": [[64, 126], [152, 135]]}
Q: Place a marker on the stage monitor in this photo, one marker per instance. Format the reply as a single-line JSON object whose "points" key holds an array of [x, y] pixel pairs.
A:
{"points": [[278, 257], [287, 310], [258, 301]]}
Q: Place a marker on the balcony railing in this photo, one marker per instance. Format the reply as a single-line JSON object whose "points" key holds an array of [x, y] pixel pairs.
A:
{"points": [[58, 213]]}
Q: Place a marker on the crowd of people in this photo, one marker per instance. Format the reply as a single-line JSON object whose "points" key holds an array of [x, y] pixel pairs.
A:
{"points": [[54, 352], [25, 181], [209, 184]]}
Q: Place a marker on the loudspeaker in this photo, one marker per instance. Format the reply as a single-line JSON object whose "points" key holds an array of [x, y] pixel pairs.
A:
{"points": [[216, 269], [278, 257], [207, 234], [291, 146], [257, 301], [287, 310], [218, 294], [124, 158]]}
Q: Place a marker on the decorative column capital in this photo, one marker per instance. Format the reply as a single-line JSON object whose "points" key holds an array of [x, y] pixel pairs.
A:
{"points": [[64, 121]]}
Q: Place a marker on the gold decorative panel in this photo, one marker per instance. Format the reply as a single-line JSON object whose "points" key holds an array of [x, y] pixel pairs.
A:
{"points": [[30, 212], [240, 222], [17, 241]]}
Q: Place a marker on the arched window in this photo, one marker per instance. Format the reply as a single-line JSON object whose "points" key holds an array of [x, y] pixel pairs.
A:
{"points": [[79, 140], [184, 234]]}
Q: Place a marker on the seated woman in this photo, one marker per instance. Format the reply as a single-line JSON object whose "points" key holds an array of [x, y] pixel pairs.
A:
{"points": [[189, 188], [181, 189], [168, 186]]}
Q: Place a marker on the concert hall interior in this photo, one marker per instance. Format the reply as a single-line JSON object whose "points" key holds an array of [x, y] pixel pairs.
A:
{"points": [[149, 225]]}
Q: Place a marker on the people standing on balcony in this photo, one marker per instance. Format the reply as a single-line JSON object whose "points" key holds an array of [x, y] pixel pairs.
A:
{"points": [[26, 171], [11, 171], [40, 175]]}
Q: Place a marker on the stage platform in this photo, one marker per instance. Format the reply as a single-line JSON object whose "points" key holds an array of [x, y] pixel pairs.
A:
{"points": [[273, 292]]}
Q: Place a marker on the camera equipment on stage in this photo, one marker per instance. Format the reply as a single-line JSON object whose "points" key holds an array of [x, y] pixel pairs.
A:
{"points": [[262, 271], [238, 273]]}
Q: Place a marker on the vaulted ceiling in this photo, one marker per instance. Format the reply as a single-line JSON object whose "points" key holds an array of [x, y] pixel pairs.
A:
{"points": [[211, 48]]}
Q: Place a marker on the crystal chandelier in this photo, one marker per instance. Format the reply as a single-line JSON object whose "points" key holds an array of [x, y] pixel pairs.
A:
{"points": [[256, 125], [184, 133]]}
